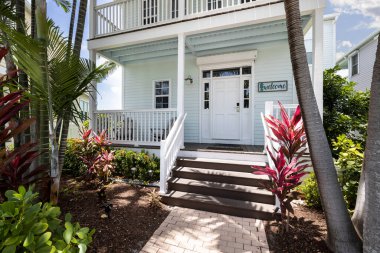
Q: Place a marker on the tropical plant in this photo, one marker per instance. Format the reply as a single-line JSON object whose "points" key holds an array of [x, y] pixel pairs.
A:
{"points": [[288, 132], [103, 166], [284, 177], [287, 165], [73, 164], [35, 227], [345, 110], [59, 78], [309, 190], [15, 165], [337, 216], [349, 165]]}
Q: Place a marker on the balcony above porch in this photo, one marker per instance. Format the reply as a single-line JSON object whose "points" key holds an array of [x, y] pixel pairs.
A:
{"points": [[124, 22]]}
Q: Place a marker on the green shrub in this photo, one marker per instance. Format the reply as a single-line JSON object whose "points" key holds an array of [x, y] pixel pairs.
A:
{"points": [[27, 226], [309, 188], [349, 165], [147, 167], [345, 110], [73, 164]]}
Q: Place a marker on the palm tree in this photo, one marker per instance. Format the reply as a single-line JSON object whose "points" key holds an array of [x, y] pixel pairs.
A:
{"points": [[80, 26], [59, 78], [72, 22], [341, 233], [371, 232]]}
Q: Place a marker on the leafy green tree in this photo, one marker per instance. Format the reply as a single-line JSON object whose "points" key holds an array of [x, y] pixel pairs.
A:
{"points": [[345, 110]]}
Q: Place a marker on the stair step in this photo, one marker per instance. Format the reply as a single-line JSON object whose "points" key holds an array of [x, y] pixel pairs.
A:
{"points": [[233, 191], [220, 176], [218, 164], [219, 205]]}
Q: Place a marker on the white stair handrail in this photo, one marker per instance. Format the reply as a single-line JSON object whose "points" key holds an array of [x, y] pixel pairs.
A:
{"points": [[169, 150]]}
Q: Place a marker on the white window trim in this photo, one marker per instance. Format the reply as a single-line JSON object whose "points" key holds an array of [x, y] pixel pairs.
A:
{"points": [[351, 63], [154, 93]]}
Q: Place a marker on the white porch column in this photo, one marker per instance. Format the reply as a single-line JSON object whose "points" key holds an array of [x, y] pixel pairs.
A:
{"points": [[318, 58], [93, 95], [181, 75], [92, 19]]}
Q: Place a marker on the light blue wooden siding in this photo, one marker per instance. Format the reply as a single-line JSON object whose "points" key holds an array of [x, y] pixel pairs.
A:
{"points": [[272, 64], [138, 88]]}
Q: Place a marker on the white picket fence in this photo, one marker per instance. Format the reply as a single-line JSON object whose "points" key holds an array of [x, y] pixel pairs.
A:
{"points": [[125, 15]]}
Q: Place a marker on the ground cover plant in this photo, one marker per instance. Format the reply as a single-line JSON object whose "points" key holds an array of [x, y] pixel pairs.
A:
{"points": [[28, 226]]}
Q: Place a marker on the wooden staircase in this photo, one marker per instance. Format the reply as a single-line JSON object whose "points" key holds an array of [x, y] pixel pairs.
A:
{"points": [[221, 186]]}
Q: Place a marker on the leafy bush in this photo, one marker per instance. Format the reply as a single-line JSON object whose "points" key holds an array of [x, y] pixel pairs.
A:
{"points": [[309, 188], [349, 165], [147, 167], [345, 110], [27, 226], [73, 164]]}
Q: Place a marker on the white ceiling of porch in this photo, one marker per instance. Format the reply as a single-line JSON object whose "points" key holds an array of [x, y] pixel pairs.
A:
{"points": [[211, 43]]}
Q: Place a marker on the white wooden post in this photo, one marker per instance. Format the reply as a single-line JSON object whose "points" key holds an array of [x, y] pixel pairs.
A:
{"points": [[93, 95], [181, 78], [181, 9], [318, 58], [93, 19], [268, 111]]}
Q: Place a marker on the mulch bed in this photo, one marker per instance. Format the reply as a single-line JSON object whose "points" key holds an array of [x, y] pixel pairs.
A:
{"points": [[132, 221], [307, 232]]}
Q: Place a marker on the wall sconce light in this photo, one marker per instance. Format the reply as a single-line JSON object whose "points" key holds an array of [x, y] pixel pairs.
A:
{"points": [[189, 80]]}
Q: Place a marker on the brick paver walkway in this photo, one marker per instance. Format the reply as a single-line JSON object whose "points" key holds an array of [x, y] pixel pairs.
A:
{"points": [[190, 231]]}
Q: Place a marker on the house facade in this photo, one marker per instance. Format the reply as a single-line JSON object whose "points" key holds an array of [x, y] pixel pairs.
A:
{"points": [[359, 62], [217, 61]]}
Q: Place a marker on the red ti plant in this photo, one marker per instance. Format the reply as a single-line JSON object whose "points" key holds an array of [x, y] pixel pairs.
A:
{"points": [[284, 178], [104, 165], [15, 166], [287, 167], [288, 132]]}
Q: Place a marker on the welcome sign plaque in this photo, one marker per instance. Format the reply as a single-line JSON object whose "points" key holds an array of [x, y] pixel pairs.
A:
{"points": [[273, 86]]}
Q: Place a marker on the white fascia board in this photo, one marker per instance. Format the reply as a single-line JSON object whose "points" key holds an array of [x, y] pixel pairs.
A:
{"points": [[251, 16]]}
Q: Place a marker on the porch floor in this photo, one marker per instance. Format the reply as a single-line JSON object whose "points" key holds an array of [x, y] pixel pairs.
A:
{"points": [[208, 147]]}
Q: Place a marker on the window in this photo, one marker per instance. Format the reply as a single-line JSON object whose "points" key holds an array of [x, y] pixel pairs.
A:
{"points": [[226, 72], [246, 93], [355, 64], [309, 56], [84, 108], [207, 74], [174, 9], [149, 11], [161, 94], [246, 70], [206, 96]]}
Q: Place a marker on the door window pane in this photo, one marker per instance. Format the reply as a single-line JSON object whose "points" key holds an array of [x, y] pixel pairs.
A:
{"points": [[246, 93], [226, 72]]}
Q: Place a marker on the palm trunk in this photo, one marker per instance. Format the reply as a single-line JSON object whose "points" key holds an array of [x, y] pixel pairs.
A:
{"points": [[72, 23], [341, 233], [23, 78], [42, 35], [358, 217], [80, 27], [33, 19], [371, 231]]}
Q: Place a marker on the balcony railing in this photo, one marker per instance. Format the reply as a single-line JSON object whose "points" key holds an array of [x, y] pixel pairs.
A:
{"points": [[126, 15], [136, 127]]}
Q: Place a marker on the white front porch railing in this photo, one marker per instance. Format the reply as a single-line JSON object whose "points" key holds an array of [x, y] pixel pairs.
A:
{"points": [[169, 151], [136, 127], [126, 15]]}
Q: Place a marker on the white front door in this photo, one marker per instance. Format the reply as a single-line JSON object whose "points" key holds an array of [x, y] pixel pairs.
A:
{"points": [[226, 108]]}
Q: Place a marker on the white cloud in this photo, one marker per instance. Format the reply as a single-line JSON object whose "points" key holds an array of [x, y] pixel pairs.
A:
{"points": [[345, 44], [367, 8]]}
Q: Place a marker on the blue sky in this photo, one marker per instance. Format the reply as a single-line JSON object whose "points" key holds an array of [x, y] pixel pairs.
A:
{"points": [[358, 19]]}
